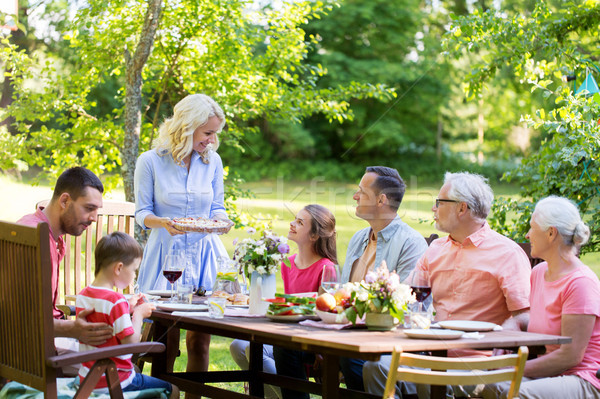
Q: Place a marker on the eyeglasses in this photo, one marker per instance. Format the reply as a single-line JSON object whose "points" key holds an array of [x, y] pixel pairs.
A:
{"points": [[438, 200]]}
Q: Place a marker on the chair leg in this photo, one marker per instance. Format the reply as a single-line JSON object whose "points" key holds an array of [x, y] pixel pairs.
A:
{"points": [[113, 382], [91, 380]]}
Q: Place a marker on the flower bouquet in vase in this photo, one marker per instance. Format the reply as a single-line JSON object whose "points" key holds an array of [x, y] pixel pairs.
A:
{"points": [[259, 260], [380, 297]]}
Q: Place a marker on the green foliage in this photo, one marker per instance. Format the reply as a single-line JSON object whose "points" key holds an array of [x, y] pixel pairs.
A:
{"points": [[541, 47], [253, 61]]}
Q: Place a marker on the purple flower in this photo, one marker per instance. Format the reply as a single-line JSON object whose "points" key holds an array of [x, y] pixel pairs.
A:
{"points": [[283, 248], [235, 241], [371, 277]]}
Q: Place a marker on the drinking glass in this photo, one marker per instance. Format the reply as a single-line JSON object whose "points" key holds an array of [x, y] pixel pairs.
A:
{"points": [[420, 286], [330, 279], [172, 270]]}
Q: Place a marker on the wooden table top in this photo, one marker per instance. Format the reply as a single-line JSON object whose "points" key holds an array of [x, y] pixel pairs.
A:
{"points": [[358, 342]]}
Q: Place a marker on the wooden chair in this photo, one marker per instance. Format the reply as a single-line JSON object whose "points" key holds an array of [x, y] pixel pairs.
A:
{"points": [[78, 270], [481, 370], [27, 353], [525, 246], [432, 237]]}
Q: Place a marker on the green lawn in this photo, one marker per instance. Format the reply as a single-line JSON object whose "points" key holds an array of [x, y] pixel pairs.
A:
{"points": [[277, 202]]}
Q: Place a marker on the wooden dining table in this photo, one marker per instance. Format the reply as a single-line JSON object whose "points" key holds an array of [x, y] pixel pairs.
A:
{"points": [[330, 344]]}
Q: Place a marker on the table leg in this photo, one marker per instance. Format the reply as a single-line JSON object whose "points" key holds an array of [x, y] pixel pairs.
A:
{"points": [[159, 360], [438, 391], [330, 375], [256, 365]]}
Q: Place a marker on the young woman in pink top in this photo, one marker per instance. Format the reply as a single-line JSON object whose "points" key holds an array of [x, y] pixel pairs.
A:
{"points": [[565, 300], [313, 230]]}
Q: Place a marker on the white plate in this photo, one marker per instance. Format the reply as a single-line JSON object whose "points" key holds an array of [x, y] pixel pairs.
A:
{"points": [[161, 293], [181, 307], [467, 325], [148, 296], [290, 318], [434, 334], [331, 318], [238, 306]]}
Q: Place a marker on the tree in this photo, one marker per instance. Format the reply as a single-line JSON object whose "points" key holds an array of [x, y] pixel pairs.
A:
{"points": [[542, 47], [252, 61]]}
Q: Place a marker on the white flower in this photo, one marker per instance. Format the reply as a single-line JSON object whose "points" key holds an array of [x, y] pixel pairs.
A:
{"points": [[362, 295], [261, 270], [260, 250], [250, 230], [283, 240]]}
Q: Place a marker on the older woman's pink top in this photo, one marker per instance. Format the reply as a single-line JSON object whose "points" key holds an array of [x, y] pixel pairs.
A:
{"points": [[575, 293]]}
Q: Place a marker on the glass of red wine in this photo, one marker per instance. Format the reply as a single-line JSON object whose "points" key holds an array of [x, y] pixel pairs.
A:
{"points": [[172, 270], [420, 286]]}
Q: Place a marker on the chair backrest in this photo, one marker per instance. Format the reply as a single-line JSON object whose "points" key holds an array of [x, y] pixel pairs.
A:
{"points": [[26, 325], [78, 264], [432, 237], [525, 246], [433, 370]]}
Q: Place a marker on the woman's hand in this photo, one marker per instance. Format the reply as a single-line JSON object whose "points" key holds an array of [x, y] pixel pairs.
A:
{"points": [[168, 224]]}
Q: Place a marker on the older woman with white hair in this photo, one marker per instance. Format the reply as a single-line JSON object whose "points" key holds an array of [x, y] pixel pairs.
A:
{"points": [[183, 177], [565, 300]]}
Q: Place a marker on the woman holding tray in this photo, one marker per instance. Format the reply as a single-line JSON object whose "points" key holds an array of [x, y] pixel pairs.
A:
{"points": [[313, 230], [182, 176]]}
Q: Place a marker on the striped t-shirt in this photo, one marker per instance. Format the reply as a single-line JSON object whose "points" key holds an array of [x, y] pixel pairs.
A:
{"points": [[113, 309]]}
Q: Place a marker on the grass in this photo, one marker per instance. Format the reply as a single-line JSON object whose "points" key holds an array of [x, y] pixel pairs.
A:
{"points": [[276, 202]]}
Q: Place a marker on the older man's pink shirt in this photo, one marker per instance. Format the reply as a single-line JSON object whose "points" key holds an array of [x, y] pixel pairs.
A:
{"points": [[484, 278]]}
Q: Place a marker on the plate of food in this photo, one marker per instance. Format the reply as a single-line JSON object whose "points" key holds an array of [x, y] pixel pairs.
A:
{"points": [[433, 333], [160, 293], [202, 225], [467, 325], [291, 308], [148, 297], [332, 318], [181, 307]]}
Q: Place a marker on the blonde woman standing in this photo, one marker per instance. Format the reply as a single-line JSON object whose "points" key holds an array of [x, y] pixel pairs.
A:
{"points": [[182, 176]]}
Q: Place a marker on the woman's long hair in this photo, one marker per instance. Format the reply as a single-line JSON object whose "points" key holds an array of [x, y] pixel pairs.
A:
{"points": [[176, 134], [322, 226]]}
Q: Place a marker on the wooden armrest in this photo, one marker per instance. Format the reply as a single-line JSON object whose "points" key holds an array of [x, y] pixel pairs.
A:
{"points": [[103, 353], [68, 310]]}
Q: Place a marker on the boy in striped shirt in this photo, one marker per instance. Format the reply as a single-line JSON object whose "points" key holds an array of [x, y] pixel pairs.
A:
{"points": [[118, 256]]}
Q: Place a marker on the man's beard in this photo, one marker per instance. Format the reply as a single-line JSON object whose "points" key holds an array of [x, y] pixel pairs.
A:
{"points": [[69, 223]]}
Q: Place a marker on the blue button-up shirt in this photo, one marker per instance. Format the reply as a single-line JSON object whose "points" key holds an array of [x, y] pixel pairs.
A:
{"points": [[398, 244]]}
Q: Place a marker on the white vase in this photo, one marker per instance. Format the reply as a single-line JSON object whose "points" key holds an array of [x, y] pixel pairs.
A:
{"points": [[261, 286]]}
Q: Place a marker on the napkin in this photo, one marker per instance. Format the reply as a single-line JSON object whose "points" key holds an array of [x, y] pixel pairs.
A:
{"points": [[190, 314], [473, 335]]}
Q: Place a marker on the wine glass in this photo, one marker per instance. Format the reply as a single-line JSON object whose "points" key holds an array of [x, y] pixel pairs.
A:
{"points": [[420, 286], [172, 270], [330, 279]]}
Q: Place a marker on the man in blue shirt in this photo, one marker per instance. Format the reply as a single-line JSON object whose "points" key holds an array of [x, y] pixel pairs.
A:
{"points": [[388, 238]]}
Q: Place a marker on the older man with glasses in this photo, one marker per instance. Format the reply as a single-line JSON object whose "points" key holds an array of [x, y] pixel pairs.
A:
{"points": [[474, 273]]}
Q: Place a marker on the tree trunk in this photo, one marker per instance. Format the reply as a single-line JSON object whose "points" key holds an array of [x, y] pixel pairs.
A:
{"points": [[133, 95]]}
